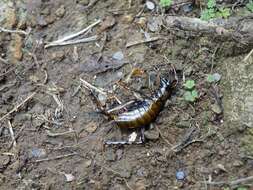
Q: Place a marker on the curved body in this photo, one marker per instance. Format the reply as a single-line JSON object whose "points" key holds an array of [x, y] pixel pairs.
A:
{"points": [[147, 110]]}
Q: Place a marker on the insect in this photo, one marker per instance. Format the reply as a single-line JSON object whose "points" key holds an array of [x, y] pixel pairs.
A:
{"points": [[145, 112], [142, 113]]}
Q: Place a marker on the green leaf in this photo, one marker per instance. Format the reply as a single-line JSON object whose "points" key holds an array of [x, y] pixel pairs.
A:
{"points": [[165, 3], [242, 188], [210, 78], [188, 96], [191, 96], [213, 78], [207, 14], [195, 94], [223, 12], [189, 84], [211, 3], [249, 5]]}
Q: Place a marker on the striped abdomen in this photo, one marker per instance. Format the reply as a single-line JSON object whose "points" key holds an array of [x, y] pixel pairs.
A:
{"points": [[147, 111]]}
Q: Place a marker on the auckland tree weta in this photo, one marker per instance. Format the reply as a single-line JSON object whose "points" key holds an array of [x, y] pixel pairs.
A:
{"points": [[141, 113]]}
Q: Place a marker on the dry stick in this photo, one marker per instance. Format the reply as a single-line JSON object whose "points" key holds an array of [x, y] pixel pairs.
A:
{"points": [[3, 60], [230, 183], [12, 134], [18, 106], [10, 70], [56, 158], [73, 35], [50, 134], [7, 86], [17, 135], [13, 31], [129, 44], [89, 86], [120, 107], [247, 56], [71, 42]]}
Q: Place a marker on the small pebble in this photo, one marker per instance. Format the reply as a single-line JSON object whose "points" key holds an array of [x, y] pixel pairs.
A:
{"points": [[118, 56], [69, 177], [87, 163], [180, 175], [38, 152], [217, 77], [151, 134], [150, 5], [60, 11], [187, 8]]}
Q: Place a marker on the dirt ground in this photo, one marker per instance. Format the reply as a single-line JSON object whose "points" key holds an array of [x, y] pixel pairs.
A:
{"points": [[52, 133]]}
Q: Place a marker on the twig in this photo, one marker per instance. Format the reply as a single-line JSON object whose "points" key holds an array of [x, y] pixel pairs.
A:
{"points": [[129, 44], [56, 158], [10, 70], [76, 90], [3, 60], [120, 107], [248, 56], [50, 134], [46, 77], [186, 141], [13, 31], [17, 135], [229, 183], [7, 86], [73, 35], [187, 144], [12, 133], [83, 40], [18, 106], [89, 86]]}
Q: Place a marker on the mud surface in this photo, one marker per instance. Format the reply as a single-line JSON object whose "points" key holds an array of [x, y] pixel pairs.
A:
{"points": [[52, 132]]}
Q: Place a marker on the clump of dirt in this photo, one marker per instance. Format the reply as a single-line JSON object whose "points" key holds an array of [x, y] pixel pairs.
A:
{"points": [[52, 132]]}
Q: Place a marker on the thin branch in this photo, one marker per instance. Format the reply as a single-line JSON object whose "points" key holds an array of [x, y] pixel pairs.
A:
{"points": [[12, 134], [73, 35], [50, 134], [230, 183], [120, 107], [89, 86], [13, 31], [56, 158], [3, 60], [129, 44], [248, 56], [71, 42], [18, 106]]}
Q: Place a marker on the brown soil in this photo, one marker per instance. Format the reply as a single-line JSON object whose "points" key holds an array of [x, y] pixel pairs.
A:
{"points": [[59, 131]]}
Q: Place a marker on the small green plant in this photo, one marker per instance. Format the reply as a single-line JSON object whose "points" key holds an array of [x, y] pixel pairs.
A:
{"points": [[190, 94], [242, 188], [165, 3], [249, 5], [213, 12], [189, 84], [211, 78]]}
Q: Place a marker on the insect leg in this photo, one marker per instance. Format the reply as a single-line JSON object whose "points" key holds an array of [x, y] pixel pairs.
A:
{"points": [[142, 134]]}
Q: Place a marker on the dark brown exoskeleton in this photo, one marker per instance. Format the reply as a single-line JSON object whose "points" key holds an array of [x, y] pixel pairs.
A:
{"points": [[143, 113]]}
